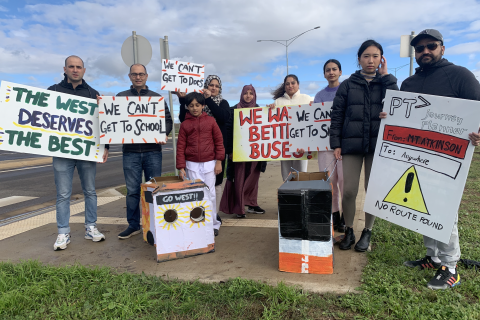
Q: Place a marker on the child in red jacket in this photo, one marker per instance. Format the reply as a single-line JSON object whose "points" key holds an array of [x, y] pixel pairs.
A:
{"points": [[200, 148]]}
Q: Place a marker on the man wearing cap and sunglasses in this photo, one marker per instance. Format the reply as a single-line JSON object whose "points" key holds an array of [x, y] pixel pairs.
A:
{"points": [[437, 76]]}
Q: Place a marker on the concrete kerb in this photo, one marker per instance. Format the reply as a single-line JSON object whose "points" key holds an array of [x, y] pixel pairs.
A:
{"points": [[245, 248]]}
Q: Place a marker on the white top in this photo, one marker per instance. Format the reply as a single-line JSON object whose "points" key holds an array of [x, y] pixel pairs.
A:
{"points": [[297, 99], [201, 167]]}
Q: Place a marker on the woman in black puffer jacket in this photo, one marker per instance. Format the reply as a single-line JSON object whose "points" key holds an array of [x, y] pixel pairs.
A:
{"points": [[354, 130]]}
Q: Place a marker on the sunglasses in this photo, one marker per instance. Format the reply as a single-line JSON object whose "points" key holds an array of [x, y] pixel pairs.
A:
{"points": [[430, 46]]}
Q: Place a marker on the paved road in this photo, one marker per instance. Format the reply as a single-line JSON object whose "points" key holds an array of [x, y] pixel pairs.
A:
{"points": [[38, 181]]}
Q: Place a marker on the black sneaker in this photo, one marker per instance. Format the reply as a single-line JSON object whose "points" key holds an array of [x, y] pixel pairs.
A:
{"points": [[444, 279], [128, 233], [241, 216], [215, 232], [424, 263], [256, 210]]}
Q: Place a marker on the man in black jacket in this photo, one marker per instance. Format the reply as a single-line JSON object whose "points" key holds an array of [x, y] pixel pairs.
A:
{"points": [[63, 168], [437, 76], [139, 157]]}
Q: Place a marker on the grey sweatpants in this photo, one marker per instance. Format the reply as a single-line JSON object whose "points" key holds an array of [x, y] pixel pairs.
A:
{"points": [[352, 167], [299, 165], [448, 253]]}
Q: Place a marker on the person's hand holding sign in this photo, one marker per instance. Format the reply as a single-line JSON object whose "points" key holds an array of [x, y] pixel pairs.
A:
{"points": [[105, 156], [474, 138], [207, 93], [180, 94], [271, 106], [163, 142]]}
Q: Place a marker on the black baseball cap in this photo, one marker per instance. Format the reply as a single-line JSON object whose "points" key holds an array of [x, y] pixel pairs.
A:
{"points": [[427, 33]]}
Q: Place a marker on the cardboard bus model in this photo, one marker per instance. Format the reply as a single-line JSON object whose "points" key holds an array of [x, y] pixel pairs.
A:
{"points": [[305, 224], [177, 217]]}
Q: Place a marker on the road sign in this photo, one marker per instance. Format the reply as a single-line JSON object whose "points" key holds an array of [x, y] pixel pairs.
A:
{"points": [[136, 49]]}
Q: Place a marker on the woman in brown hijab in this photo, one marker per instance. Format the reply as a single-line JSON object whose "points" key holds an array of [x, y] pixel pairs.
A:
{"points": [[241, 188]]}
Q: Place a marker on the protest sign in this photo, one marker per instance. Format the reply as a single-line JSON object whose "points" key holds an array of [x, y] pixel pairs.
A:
{"points": [[132, 119], [263, 134], [48, 123], [421, 162], [310, 126], [182, 76]]}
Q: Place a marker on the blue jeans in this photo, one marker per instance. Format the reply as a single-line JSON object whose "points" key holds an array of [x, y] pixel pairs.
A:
{"points": [[63, 169], [133, 164]]}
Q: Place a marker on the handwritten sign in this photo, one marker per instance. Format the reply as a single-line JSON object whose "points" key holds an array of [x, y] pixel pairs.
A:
{"points": [[421, 162], [182, 76], [132, 119], [48, 123], [180, 197], [264, 134], [310, 126]]}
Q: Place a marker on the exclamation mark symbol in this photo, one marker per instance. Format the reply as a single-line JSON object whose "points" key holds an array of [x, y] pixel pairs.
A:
{"points": [[408, 184]]}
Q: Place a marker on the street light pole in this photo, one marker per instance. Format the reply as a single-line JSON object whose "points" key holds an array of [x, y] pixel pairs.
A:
{"points": [[398, 68], [288, 42]]}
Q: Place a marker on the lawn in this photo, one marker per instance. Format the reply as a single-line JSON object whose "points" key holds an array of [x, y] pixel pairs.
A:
{"points": [[29, 290]]}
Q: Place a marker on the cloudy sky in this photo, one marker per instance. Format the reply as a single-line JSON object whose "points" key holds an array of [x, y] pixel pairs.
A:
{"points": [[36, 36]]}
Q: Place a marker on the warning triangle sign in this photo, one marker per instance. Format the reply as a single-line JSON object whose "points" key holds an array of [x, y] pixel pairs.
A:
{"points": [[407, 192]]}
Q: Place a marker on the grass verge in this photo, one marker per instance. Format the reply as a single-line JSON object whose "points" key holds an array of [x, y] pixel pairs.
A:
{"points": [[388, 290]]}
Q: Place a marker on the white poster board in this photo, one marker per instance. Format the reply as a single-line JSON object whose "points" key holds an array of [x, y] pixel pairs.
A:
{"points": [[310, 126], [262, 134], [421, 162], [132, 119], [182, 76], [48, 123]]}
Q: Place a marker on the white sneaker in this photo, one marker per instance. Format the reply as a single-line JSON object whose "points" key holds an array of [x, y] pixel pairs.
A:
{"points": [[92, 233], [62, 240]]}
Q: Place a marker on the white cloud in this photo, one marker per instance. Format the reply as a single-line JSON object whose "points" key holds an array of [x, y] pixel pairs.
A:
{"points": [[464, 48], [312, 86], [281, 71], [223, 36], [3, 9]]}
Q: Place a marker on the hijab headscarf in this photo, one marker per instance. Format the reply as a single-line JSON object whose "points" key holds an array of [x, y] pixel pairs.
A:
{"points": [[218, 98], [243, 103]]}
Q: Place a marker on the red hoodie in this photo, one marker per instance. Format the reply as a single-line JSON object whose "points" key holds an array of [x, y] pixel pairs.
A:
{"points": [[199, 140]]}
